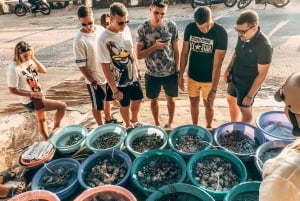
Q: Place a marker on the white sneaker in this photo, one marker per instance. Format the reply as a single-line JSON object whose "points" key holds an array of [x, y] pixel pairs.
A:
{"points": [[138, 124]]}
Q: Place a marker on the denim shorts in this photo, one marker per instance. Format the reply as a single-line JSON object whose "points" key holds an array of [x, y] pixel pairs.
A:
{"points": [[29, 106]]}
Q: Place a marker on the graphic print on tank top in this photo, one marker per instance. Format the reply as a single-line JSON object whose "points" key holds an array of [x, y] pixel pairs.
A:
{"points": [[32, 78], [199, 44], [122, 62]]}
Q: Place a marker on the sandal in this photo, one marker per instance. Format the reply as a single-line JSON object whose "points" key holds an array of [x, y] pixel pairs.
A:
{"points": [[7, 176], [13, 191]]}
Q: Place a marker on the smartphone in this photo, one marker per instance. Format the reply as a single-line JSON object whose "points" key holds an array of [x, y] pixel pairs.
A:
{"points": [[164, 40]]}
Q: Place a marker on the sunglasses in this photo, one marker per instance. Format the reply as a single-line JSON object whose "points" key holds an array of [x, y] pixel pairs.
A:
{"points": [[23, 47], [85, 24], [160, 3], [243, 32], [122, 23]]}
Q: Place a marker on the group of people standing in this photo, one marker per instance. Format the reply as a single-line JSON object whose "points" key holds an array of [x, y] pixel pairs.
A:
{"points": [[107, 58]]}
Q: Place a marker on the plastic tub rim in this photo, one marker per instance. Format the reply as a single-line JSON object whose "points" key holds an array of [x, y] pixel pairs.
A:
{"points": [[249, 184], [105, 188], [129, 136], [263, 146], [153, 152], [230, 151], [94, 132], [189, 154], [62, 194], [211, 152], [269, 135], [58, 135], [98, 154], [181, 187]]}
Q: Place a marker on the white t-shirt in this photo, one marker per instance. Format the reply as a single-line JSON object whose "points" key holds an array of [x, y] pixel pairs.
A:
{"points": [[117, 49], [86, 53], [281, 176], [20, 77]]}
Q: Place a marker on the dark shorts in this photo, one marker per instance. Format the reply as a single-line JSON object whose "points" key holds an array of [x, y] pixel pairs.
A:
{"points": [[154, 84], [103, 93], [239, 92], [29, 106], [131, 92]]}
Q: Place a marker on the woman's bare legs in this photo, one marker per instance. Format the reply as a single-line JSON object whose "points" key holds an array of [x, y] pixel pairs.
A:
{"points": [[49, 104]]}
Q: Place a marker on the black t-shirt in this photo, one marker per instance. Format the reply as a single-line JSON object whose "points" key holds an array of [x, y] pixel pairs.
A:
{"points": [[202, 50], [248, 55]]}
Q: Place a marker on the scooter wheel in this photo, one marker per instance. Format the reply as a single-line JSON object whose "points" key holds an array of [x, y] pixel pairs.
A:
{"points": [[44, 8], [230, 3], [243, 3], [20, 10], [281, 4]]}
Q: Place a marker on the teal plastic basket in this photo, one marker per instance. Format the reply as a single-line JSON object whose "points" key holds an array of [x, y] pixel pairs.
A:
{"points": [[98, 132], [182, 192], [141, 161], [234, 160], [245, 187], [191, 130]]}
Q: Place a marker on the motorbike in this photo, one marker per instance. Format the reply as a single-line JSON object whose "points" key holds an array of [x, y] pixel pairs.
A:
{"points": [[277, 3], [228, 3], [32, 7]]}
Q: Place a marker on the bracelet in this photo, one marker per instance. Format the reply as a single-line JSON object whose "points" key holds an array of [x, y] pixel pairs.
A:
{"points": [[250, 97], [114, 93], [214, 90]]}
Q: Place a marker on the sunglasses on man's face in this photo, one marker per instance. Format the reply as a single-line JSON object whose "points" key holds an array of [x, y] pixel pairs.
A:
{"points": [[123, 23], [85, 24]]}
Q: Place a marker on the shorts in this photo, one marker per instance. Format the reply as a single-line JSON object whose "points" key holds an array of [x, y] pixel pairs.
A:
{"points": [[109, 94], [131, 92], [97, 96], [169, 84], [194, 88], [239, 92], [29, 106]]}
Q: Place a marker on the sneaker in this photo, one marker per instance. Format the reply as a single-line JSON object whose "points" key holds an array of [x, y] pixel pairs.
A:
{"points": [[138, 124], [113, 120]]}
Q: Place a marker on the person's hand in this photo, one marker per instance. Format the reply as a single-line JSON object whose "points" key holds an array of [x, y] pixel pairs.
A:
{"points": [[35, 94], [139, 75], [118, 95], [211, 97], [160, 45], [181, 82], [247, 101], [225, 76]]}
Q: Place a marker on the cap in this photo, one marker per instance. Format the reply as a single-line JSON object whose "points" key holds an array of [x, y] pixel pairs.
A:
{"points": [[290, 93]]}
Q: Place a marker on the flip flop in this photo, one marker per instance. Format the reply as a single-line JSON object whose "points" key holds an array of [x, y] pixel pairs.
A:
{"points": [[7, 176]]}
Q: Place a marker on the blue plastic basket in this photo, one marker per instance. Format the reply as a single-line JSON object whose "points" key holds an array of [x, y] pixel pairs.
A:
{"points": [[72, 185], [251, 131], [92, 159], [275, 126], [266, 147]]}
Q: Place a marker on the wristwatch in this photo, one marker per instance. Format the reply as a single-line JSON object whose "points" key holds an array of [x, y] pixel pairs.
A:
{"points": [[94, 83]]}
